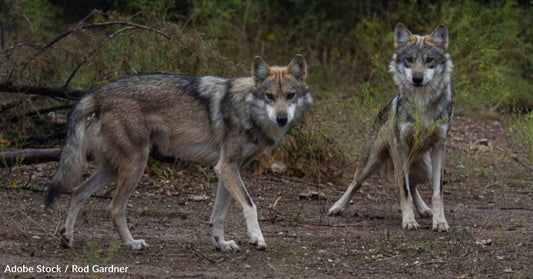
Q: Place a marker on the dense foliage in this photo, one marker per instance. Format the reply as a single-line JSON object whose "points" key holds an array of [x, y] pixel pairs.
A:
{"points": [[348, 45]]}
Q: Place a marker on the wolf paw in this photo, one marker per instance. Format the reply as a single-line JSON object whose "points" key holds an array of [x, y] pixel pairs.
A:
{"points": [[441, 226], [227, 246], [411, 226], [137, 244], [66, 239], [336, 210], [258, 241], [427, 213]]}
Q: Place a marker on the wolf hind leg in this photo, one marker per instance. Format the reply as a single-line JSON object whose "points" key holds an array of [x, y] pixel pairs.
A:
{"points": [[365, 170], [103, 176], [420, 173], [128, 177], [220, 210]]}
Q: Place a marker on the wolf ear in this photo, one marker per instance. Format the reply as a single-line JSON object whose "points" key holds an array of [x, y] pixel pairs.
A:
{"points": [[439, 36], [402, 36], [298, 67], [260, 70]]}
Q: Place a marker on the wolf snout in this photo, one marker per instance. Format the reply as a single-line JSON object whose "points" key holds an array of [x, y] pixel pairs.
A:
{"points": [[418, 79], [281, 119]]}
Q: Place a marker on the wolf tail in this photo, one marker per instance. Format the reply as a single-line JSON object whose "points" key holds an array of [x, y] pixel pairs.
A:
{"points": [[75, 149]]}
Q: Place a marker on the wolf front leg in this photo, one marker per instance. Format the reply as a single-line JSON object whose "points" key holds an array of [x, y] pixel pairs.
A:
{"points": [[401, 170], [220, 210], [437, 204], [229, 173]]}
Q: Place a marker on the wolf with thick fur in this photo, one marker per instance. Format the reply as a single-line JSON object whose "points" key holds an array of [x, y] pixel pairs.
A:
{"points": [[411, 130], [218, 121]]}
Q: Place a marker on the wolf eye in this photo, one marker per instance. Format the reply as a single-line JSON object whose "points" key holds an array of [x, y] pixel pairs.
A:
{"points": [[429, 60], [409, 59], [270, 96], [290, 96]]}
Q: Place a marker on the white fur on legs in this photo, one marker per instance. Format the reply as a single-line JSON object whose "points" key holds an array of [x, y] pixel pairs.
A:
{"points": [[408, 217], [137, 244], [439, 221], [406, 204], [228, 172], [254, 232], [220, 210]]}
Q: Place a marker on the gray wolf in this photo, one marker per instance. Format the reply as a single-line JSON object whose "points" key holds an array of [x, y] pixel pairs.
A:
{"points": [[411, 130], [218, 121]]}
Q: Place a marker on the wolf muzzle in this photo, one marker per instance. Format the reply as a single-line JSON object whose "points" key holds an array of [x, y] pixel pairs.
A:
{"points": [[281, 119], [418, 79]]}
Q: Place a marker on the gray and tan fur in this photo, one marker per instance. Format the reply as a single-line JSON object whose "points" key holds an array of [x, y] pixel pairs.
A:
{"points": [[411, 130], [222, 122]]}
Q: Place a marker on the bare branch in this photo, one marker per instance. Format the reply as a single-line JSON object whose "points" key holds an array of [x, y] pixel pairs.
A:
{"points": [[13, 47], [100, 24], [140, 26], [86, 58]]}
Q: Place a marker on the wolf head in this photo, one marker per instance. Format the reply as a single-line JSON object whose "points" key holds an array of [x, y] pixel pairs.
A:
{"points": [[420, 61], [280, 93]]}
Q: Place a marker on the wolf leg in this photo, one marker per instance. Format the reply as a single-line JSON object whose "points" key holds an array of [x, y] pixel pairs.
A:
{"points": [[341, 205], [421, 206], [437, 204], [420, 173], [100, 178], [373, 162], [401, 170], [128, 177], [229, 174], [220, 210]]}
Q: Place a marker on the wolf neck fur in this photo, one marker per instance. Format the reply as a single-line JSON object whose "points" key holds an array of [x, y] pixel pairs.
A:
{"points": [[423, 96]]}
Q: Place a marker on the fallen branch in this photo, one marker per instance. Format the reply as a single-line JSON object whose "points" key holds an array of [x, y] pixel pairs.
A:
{"points": [[28, 156], [273, 211], [45, 91], [516, 159], [201, 255]]}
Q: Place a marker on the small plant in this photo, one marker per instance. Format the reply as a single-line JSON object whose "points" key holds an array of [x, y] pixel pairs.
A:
{"points": [[521, 130], [463, 240], [307, 152], [421, 129], [97, 255]]}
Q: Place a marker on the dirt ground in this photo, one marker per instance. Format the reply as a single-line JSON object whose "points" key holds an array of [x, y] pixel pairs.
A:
{"points": [[487, 203]]}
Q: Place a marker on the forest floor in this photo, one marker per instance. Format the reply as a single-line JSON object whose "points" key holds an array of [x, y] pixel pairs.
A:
{"points": [[487, 203]]}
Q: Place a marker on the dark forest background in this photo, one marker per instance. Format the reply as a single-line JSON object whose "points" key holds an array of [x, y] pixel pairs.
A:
{"points": [[52, 51]]}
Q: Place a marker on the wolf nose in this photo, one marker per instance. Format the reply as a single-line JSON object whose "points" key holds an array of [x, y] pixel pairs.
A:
{"points": [[418, 79], [281, 119]]}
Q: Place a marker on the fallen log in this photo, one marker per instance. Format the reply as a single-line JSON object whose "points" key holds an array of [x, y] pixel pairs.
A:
{"points": [[39, 90], [28, 156]]}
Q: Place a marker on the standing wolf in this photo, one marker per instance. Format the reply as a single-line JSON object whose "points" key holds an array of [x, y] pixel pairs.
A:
{"points": [[411, 130], [217, 121]]}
